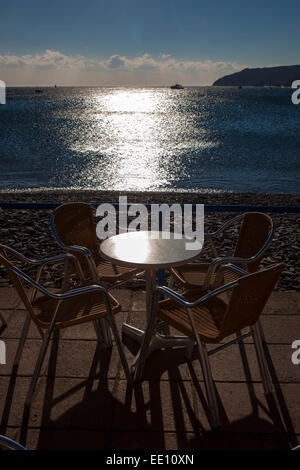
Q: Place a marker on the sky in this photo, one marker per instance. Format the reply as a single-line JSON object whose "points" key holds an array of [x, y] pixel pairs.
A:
{"points": [[143, 43]]}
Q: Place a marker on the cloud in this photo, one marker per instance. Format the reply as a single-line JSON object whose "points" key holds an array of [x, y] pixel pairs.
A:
{"points": [[115, 70], [116, 62]]}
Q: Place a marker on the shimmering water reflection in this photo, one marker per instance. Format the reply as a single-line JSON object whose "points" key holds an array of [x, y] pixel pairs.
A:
{"points": [[150, 139]]}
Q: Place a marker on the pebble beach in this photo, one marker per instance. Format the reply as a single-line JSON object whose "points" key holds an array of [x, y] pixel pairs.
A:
{"points": [[29, 231]]}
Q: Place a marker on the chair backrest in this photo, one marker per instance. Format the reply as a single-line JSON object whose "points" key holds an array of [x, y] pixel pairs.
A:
{"points": [[256, 230], [74, 225], [15, 280], [248, 299]]}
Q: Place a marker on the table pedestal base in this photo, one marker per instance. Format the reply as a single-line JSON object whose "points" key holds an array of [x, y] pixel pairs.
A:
{"points": [[159, 341]]}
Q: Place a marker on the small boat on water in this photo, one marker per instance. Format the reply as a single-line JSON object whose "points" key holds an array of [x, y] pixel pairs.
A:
{"points": [[38, 90], [177, 86]]}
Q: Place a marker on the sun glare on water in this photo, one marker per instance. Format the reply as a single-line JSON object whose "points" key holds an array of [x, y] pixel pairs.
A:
{"points": [[127, 130]]}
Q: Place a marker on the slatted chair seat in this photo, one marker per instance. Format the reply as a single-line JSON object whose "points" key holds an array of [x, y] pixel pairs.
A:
{"points": [[208, 317], [194, 275], [74, 310], [110, 273]]}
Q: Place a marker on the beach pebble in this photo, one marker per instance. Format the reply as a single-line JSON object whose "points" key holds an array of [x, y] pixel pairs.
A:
{"points": [[30, 231]]}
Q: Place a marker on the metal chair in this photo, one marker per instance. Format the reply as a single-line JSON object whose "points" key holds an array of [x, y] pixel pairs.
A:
{"points": [[255, 235], [54, 311], [209, 319], [74, 230]]}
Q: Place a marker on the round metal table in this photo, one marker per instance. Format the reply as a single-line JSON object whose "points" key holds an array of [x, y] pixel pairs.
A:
{"points": [[151, 251]]}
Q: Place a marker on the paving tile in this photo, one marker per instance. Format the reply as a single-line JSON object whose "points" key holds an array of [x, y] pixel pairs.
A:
{"points": [[138, 440], [283, 303], [62, 439], [59, 403], [132, 440], [168, 364], [291, 396], [15, 320], [73, 403], [227, 441], [138, 301], [28, 358], [87, 330], [84, 358], [124, 297], [156, 406], [296, 298], [13, 391], [230, 364], [65, 439], [9, 298], [255, 413], [280, 329], [233, 365], [138, 319], [83, 401]]}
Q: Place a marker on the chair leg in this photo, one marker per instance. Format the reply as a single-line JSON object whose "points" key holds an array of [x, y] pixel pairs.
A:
{"points": [[38, 365], [262, 334], [209, 385], [22, 340], [104, 333], [98, 331], [148, 335], [113, 326], [256, 329]]}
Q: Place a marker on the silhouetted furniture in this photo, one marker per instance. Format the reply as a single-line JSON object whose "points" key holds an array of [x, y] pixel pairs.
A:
{"points": [[54, 311], [149, 251], [75, 231], [254, 238], [210, 320]]}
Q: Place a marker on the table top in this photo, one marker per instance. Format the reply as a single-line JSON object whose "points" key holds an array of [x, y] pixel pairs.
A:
{"points": [[149, 249]]}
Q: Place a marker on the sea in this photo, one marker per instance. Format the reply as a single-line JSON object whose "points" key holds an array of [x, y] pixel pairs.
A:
{"points": [[199, 139]]}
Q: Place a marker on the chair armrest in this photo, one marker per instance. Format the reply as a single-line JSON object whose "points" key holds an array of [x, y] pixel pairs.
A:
{"points": [[34, 262], [182, 301], [80, 249], [63, 296], [231, 267], [224, 226], [234, 268]]}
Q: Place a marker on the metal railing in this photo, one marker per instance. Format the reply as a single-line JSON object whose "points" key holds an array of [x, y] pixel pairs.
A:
{"points": [[207, 207]]}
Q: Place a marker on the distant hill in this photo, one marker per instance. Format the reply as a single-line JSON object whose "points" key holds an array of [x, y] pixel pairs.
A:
{"points": [[267, 76]]}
